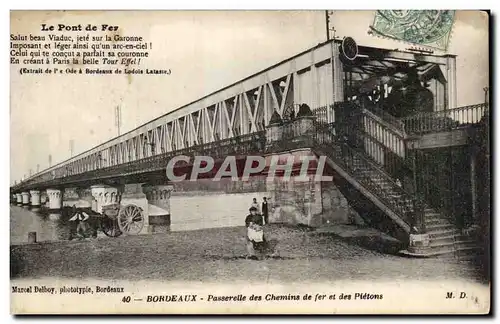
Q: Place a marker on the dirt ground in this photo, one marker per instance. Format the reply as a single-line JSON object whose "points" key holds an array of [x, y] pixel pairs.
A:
{"points": [[218, 255]]}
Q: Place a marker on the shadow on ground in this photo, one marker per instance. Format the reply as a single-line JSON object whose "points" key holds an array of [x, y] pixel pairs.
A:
{"points": [[366, 237], [374, 243]]}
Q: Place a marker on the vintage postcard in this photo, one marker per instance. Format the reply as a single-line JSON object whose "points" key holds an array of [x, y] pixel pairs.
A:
{"points": [[250, 162]]}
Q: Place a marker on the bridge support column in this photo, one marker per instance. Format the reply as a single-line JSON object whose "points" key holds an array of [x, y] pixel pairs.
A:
{"points": [[55, 198], [296, 202], [306, 199], [158, 197], [26, 198], [19, 198], [35, 198], [104, 195]]}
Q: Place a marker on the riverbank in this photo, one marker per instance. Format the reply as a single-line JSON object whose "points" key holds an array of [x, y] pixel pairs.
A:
{"points": [[218, 255]]}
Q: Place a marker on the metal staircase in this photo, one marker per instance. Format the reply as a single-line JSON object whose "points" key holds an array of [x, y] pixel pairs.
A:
{"points": [[360, 154]]}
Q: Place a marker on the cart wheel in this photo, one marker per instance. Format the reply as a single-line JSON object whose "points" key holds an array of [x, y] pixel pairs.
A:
{"points": [[110, 227], [130, 219]]}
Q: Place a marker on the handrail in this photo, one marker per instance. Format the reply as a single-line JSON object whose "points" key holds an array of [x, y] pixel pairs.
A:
{"points": [[346, 156], [386, 117], [388, 136], [444, 120], [383, 143]]}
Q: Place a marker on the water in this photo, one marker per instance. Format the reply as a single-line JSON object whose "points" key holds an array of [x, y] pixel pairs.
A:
{"points": [[53, 226]]}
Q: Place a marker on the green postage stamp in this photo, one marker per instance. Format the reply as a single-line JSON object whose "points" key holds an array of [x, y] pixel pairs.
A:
{"points": [[424, 27]]}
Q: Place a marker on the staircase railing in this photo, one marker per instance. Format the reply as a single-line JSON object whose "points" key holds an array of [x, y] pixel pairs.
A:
{"points": [[444, 120], [396, 123], [382, 142], [355, 161], [362, 138]]}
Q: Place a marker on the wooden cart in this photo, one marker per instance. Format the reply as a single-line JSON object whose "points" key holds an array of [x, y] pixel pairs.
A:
{"points": [[122, 219]]}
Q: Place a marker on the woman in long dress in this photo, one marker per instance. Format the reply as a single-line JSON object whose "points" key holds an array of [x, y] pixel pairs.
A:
{"points": [[255, 233]]}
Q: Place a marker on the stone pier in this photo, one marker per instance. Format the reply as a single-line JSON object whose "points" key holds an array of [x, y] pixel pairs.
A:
{"points": [[295, 202], [103, 195], [35, 198], [26, 198], [308, 200], [19, 198], [312, 202], [55, 198], [158, 197]]}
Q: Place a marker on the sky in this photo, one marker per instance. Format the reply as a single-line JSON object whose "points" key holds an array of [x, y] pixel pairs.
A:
{"points": [[205, 51]]}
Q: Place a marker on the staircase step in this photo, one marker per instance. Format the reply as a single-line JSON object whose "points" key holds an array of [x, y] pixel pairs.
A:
{"points": [[442, 250], [440, 233], [433, 215], [466, 244], [435, 221], [461, 254], [376, 176], [437, 252], [380, 182], [434, 244], [440, 226], [384, 184], [443, 239], [448, 250]]}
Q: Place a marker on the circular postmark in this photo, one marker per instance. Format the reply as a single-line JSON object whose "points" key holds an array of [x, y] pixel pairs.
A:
{"points": [[417, 26]]}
